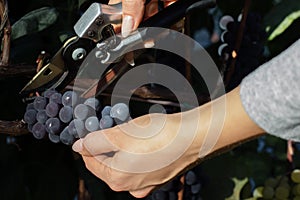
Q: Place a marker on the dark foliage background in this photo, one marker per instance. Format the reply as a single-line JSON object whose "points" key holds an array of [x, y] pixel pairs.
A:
{"points": [[35, 170]]}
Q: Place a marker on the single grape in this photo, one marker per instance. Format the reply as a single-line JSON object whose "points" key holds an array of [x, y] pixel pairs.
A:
{"points": [[77, 129], [92, 124], [29, 106], [40, 103], [195, 188], [53, 125], [55, 98], [268, 192], [69, 98], [232, 27], [224, 21], [190, 178], [296, 189], [282, 192], [272, 182], [228, 38], [295, 176], [106, 122], [65, 137], [258, 192], [223, 49], [30, 116], [54, 138], [106, 111], [92, 102], [49, 92], [39, 130], [82, 111], [41, 116], [66, 114], [120, 111], [29, 127], [52, 109]]}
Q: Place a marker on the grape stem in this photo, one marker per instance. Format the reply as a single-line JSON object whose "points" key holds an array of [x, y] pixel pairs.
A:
{"points": [[6, 29], [13, 128], [238, 43]]}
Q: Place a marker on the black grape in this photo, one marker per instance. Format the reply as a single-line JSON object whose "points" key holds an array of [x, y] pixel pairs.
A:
{"points": [[49, 92], [77, 129], [195, 188], [190, 178], [223, 49], [224, 21], [29, 106], [66, 114], [30, 116], [65, 137], [92, 102], [54, 138], [82, 111], [41, 116], [120, 111], [106, 111], [232, 27], [106, 122], [53, 125], [29, 127], [69, 98], [40, 103], [92, 124], [39, 130], [56, 98], [52, 109]]}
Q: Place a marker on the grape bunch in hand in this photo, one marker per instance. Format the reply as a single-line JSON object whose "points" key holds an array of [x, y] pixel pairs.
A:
{"points": [[67, 117]]}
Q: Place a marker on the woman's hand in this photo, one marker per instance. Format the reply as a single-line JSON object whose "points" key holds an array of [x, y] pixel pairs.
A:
{"points": [[150, 150], [133, 12], [141, 154]]}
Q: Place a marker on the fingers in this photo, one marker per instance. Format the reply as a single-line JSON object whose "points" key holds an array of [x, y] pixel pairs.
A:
{"points": [[133, 11], [95, 143]]}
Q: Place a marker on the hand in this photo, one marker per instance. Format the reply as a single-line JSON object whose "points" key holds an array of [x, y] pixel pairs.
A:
{"points": [[141, 154], [133, 12]]}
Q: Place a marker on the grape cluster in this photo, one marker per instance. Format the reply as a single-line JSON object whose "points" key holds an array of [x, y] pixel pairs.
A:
{"points": [[168, 191], [191, 188], [66, 117], [251, 49], [280, 187]]}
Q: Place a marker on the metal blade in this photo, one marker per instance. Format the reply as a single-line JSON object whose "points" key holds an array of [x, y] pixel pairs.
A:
{"points": [[49, 75]]}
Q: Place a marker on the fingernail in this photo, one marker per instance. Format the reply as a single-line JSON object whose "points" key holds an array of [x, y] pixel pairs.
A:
{"points": [[77, 146], [127, 25]]}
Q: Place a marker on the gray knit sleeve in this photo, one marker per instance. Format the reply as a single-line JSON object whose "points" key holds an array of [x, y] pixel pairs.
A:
{"points": [[271, 94]]}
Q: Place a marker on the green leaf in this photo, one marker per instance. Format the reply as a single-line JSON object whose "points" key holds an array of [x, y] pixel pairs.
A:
{"points": [[34, 21], [238, 186], [284, 24]]}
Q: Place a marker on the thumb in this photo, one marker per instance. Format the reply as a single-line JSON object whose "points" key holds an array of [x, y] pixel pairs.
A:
{"points": [[142, 192], [133, 11], [93, 144]]}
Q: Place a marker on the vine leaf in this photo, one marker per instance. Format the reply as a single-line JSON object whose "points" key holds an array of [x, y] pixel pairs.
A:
{"points": [[238, 186]]}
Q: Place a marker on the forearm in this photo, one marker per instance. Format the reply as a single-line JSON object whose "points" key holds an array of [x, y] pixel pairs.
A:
{"points": [[235, 127]]}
